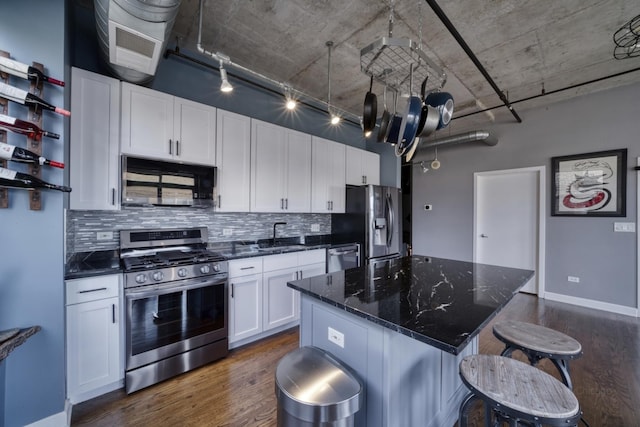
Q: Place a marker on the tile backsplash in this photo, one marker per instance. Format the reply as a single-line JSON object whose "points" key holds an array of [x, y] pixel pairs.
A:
{"points": [[82, 227]]}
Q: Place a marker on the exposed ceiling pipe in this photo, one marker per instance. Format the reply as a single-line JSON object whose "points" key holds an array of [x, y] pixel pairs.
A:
{"points": [[473, 136], [456, 35], [224, 59]]}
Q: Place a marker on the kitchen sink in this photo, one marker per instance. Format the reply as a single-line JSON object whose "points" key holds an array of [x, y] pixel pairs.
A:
{"points": [[280, 248]]}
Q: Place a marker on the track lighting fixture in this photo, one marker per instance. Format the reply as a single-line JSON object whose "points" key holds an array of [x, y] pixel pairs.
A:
{"points": [[225, 86]]}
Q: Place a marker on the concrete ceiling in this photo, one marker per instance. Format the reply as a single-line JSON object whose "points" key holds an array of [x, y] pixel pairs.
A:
{"points": [[522, 44]]}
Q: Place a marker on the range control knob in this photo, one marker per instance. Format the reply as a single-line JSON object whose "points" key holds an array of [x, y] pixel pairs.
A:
{"points": [[216, 267], [157, 276], [182, 272], [205, 269], [141, 278]]}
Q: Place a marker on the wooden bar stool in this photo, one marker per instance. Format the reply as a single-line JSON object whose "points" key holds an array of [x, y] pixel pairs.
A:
{"points": [[537, 343], [516, 393]]}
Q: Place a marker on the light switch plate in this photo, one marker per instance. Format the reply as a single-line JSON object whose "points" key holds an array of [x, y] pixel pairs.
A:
{"points": [[227, 231], [624, 227], [315, 227]]}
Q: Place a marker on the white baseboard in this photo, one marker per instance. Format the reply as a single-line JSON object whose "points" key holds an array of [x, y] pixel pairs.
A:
{"points": [[589, 303], [61, 419]]}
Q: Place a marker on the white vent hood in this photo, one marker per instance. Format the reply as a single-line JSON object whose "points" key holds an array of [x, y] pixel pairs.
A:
{"points": [[133, 34]]}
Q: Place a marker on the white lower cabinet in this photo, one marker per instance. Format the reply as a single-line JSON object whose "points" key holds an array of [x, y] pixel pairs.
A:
{"points": [[95, 353], [245, 298], [260, 302]]}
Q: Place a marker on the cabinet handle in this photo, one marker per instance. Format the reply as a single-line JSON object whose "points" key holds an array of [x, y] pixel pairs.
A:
{"points": [[177, 147], [232, 290], [92, 290], [219, 201], [331, 205], [247, 268], [170, 147], [286, 204], [281, 203], [113, 313], [364, 181], [328, 205], [113, 196]]}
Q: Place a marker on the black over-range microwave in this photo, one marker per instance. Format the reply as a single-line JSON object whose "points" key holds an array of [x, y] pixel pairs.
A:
{"points": [[147, 182]]}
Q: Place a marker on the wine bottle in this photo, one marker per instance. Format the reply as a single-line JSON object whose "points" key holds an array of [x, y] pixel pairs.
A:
{"points": [[10, 178], [23, 97], [25, 71], [14, 125], [17, 154]]}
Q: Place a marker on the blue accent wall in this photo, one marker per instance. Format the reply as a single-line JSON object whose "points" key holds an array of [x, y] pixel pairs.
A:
{"points": [[31, 263]]}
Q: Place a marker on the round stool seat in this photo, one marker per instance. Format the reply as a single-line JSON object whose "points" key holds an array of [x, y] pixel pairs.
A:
{"points": [[519, 391], [537, 338]]}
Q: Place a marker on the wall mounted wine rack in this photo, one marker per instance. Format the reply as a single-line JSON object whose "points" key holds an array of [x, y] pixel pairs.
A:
{"points": [[35, 116], [4, 107]]}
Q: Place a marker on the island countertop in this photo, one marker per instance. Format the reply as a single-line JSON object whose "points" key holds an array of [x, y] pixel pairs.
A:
{"points": [[441, 302]]}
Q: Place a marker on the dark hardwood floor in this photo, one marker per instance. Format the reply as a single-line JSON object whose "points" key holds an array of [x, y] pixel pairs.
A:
{"points": [[239, 390]]}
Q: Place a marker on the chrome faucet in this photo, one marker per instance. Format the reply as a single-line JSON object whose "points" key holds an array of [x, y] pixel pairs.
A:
{"points": [[273, 241]]}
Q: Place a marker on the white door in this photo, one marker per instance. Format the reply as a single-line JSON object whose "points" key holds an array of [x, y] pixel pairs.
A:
{"points": [[509, 217], [194, 132]]}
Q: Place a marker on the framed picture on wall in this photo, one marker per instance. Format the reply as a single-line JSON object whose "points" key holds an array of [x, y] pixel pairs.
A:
{"points": [[591, 184]]}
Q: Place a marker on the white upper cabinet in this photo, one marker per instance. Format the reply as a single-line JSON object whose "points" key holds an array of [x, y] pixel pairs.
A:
{"points": [[233, 162], [158, 125], [280, 169], [328, 176], [94, 144], [363, 167]]}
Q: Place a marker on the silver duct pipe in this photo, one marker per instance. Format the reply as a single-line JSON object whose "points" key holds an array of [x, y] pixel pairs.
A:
{"points": [[463, 138]]}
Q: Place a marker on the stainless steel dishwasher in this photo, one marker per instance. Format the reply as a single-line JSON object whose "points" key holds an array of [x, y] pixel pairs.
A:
{"points": [[343, 257]]}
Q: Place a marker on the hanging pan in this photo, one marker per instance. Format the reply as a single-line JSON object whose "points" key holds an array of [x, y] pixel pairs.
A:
{"points": [[385, 119], [443, 102], [410, 118], [429, 116], [393, 129], [370, 111]]}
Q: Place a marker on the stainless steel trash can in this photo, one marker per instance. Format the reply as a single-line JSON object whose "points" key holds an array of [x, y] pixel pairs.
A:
{"points": [[315, 389]]}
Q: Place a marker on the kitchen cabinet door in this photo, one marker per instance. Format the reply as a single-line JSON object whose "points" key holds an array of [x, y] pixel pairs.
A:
{"points": [[298, 172], [233, 159], [245, 307], [280, 169], [95, 351], [281, 303], [268, 167], [337, 182], [195, 132], [362, 167], [147, 122], [95, 142]]}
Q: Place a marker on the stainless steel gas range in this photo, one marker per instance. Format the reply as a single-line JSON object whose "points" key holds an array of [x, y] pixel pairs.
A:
{"points": [[176, 303]]}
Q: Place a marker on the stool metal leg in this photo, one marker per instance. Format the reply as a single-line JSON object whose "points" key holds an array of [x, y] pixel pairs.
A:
{"points": [[463, 416], [563, 367]]}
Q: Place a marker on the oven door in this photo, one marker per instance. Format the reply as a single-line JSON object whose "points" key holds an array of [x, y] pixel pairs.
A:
{"points": [[174, 318]]}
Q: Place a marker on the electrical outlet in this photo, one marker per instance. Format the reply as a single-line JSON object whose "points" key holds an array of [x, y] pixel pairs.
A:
{"points": [[573, 279], [315, 227], [104, 235], [227, 231], [336, 337]]}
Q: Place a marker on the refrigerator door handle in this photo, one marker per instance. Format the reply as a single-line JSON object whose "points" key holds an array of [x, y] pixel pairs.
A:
{"points": [[390, 220]]}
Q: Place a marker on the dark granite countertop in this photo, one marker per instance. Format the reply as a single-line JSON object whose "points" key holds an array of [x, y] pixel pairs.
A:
{"points": [[7, 346], [253, 248], [94, 263], [441, 302]]}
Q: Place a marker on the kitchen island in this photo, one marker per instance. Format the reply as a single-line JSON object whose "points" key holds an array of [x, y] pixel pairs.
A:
{"points": [[403, 325]]}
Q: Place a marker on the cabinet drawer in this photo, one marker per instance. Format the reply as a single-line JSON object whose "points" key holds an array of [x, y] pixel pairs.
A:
{"points": [[312, 257], [245, 266], [280, 261], [92, 288]]}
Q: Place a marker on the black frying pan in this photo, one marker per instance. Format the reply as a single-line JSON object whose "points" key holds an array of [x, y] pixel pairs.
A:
{"points": [[429, 116], [370, 110]]}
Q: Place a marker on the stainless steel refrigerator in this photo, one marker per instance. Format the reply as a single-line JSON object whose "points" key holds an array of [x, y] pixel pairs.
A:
{"points": [[372, 218]]}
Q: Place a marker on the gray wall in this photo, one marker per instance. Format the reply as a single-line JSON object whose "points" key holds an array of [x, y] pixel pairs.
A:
{"points": [[31, 264], [585, 247]]}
